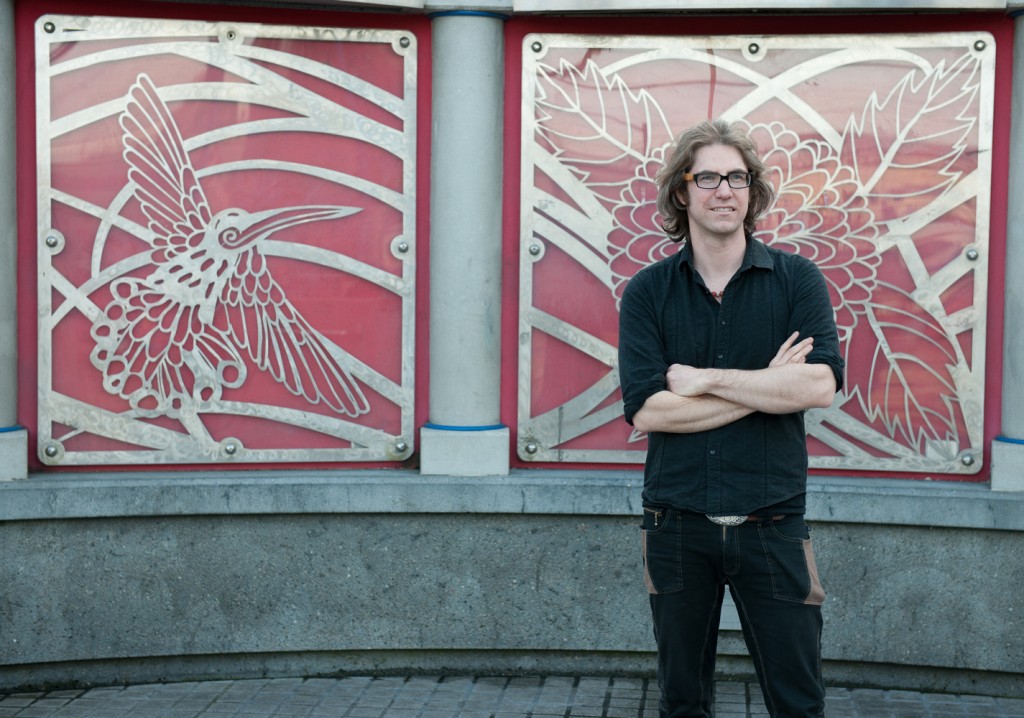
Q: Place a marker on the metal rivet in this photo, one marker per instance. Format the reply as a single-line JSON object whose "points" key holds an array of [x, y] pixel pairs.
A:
{"points": [[230, 35], [972, 254], [49, 27], [51, 241], [536, 47], [403, 247], [51, 451], [967, 460], [753, 48], [534, 249], [231, 448], [401, 447], [980, 45], [531, 448], [405, 42]]}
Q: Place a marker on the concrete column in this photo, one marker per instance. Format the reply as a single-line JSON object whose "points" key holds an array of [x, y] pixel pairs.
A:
{"points": [[464, 436], [1008, 448], [13, 438]]}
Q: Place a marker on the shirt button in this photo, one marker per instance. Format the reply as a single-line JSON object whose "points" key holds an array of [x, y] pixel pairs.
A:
{"points": [[721, 355], [713, 452], [723, 322]]}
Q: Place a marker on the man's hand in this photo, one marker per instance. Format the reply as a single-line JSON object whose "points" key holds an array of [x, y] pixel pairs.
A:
{"points": [[790, 353], [685, 380]]}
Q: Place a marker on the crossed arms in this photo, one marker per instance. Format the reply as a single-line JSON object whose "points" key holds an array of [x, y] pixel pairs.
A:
{"points": [[704, 399]]}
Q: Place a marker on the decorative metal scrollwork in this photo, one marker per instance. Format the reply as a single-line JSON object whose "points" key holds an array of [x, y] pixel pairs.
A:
{"points": [[227, 229], [880, 150]]}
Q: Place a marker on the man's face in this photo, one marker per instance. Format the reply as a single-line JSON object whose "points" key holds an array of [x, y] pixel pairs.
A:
{"points": [[716, 213]]}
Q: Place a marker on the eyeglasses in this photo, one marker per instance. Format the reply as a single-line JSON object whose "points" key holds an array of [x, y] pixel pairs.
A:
{"points": [[711, 180]]}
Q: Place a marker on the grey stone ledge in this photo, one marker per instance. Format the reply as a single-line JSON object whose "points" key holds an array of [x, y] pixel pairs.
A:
{"points": [[567, 492]]}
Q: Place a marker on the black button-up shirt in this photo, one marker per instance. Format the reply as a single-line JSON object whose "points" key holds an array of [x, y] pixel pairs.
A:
{"points": [[669, 317]]}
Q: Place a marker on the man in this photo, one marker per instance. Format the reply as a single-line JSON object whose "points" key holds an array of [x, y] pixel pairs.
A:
{"points": [[721, 349]]}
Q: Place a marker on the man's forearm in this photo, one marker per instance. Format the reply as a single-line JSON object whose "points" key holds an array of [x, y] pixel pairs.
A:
{"points": [[776, 390], [671, 413]]}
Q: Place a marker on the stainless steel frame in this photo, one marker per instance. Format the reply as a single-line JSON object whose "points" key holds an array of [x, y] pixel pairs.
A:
{"points": [[635, 92], [174, 431]]}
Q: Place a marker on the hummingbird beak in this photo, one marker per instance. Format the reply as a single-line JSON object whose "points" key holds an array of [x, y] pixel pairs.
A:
{"points": [[264, 224]]}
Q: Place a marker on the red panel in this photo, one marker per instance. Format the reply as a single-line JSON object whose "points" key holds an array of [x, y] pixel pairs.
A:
{"points": [[86, 163], [883, 285]]}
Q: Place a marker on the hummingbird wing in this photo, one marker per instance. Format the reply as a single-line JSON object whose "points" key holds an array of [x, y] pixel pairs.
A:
{"points": [[281, 341], [157, 353], [160, 170]]}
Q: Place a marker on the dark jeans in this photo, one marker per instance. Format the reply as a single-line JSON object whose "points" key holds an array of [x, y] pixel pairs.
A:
{"points": [[769, 567]]}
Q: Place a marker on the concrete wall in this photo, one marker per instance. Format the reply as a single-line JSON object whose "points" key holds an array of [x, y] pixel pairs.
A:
{"points": [[162, 578]]}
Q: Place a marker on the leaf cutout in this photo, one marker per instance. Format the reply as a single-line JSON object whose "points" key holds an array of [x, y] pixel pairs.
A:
{"points": [[905, 370], [907, 145], [637, 238], [592, 122]]}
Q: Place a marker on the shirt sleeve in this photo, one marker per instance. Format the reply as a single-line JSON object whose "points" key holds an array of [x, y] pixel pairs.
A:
{"points": [[641, 349], [812, 315]]}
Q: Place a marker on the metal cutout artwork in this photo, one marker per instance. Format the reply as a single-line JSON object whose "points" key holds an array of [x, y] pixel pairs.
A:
{"points": [[226, 258], [879, 148]]}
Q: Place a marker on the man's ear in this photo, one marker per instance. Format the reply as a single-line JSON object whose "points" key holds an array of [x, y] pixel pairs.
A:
{"points": [[681, 198]]}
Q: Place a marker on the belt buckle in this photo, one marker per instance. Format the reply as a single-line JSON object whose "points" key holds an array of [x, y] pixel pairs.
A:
{"points": [[726, 520]]}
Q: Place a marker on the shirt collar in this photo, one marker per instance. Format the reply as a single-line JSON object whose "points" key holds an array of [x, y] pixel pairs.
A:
{"points": [[756, 255]]}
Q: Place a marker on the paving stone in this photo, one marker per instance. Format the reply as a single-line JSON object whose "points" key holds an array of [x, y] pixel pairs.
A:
{"points": [[462, 697]]}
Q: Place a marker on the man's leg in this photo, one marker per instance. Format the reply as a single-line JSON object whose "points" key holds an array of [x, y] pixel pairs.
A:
{"points": [[777, 593], [686, 588]]}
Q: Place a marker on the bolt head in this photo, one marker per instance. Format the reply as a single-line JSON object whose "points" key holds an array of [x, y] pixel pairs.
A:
{"points": [[51, 451], [972, 254], [531, 447], [401, 447]]}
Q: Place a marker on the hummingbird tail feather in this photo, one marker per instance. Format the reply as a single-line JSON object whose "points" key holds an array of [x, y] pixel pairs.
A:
{"points": [[280, 341]]}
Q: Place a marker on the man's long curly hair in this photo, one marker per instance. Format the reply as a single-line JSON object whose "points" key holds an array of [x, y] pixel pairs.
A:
{"points": [[675, 219]]}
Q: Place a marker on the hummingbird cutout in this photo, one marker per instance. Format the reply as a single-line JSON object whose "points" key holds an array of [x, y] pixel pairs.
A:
{"points": [[174, 340]]}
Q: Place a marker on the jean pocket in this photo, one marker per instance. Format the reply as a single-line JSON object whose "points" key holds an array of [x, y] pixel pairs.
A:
{"points": [[661, 547], [790, 557]]}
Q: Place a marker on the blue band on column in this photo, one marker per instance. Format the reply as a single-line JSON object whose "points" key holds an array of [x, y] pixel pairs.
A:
{"points": [[1008, 440], [448, 427], [6, 429]]}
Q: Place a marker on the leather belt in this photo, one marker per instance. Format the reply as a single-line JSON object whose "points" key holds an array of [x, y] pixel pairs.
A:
{"points": [[737, 520]]}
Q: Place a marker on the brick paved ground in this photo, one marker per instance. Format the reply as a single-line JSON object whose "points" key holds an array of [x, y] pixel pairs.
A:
{"points": [[461, 697]]}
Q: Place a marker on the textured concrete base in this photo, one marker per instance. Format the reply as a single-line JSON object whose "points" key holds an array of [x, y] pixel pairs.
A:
{"points": [[119, 578], [170, 598], [13, 455], [453, 452], [1007, 466]]}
